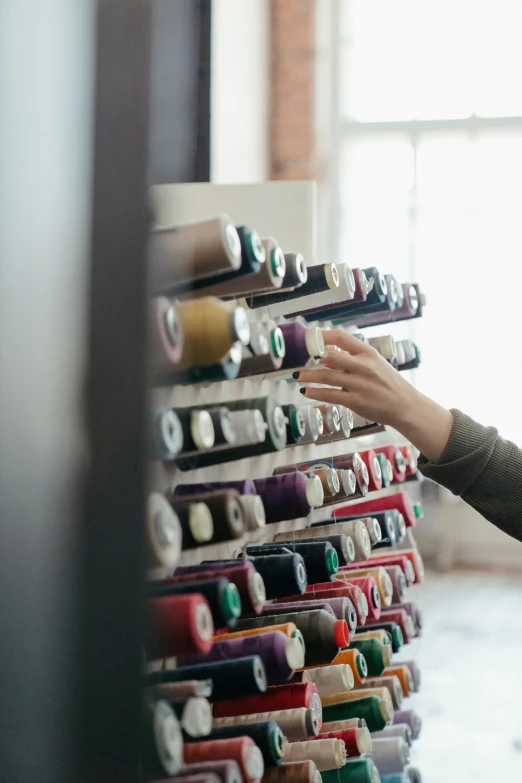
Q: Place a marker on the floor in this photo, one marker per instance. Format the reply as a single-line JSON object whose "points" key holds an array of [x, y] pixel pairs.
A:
{"points": [[470, 656]]}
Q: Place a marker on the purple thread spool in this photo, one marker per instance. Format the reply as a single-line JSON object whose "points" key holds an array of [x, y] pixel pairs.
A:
{"points": [[299, 606], [288, 496], [413, 610], [390, 755], [302, 344], [227, 771], [272, 648], [411, 718], [244, 487]]}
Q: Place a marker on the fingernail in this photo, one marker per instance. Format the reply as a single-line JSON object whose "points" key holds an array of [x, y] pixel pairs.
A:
{"points": [[302, 391], [295, 375]]}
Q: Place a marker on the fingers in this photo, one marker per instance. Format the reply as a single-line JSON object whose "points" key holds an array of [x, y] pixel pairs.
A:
{"points": [[327, 377], [345, 341], [333, 396], [339, 360]]}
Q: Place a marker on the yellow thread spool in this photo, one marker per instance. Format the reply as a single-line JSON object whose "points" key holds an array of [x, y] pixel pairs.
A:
{"points": [[210, 329]]}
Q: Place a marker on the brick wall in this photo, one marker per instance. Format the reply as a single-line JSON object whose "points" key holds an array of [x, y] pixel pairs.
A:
{"points": [[292, 123]]}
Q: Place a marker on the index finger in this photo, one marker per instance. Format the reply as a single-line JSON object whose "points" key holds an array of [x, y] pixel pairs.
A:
{"points": [[343, 340]]}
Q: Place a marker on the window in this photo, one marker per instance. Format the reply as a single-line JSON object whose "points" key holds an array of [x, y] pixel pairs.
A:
{"points": [[430, 183]]}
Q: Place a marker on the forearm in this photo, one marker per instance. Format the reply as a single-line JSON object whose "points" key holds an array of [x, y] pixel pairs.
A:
{"points": [[425, 423]]}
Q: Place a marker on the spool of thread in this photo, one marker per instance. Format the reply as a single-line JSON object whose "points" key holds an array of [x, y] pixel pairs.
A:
{"points": [[355, 529], [253, 512], [289, 630], [166, 435], [319, 303], [341, 313], [196, 421], [415, 673], [397, 460], [278, 697], [247, 579], [382, 580], [281, 655], [385, 345], [187, 689], [165, 336], [411, 719], [395, 558], [267, 735], [323, 635], [344, 609], [326, 754], [289, 496], [243, 750], [376, 711], [249, 425], [402, 619], [244, 486], [398, 581], [320, 558], [302, 344], [329, 480], [411, 554], [269, 361], [391, 683], [376, 654], [356, 661], [356, 740], [408, 309], [411, 462], [400, 501], [331, 418], [196, 523], [224, 506], [373, 633], [370, 589], [296, 275], [225, 771], [163, 535], [392, 629], [343, 725], [374, 529], [390, 755], [282, 574], [413, 775], [295, 424], [226, 369], [332, 679], [296, 724], [221, 595], [293, 772], [194, 715], [337, 589], [402, 731], [387, 523], [354, 771], [404, 676], [162, 740], [178, 625], [374, 469], [210, 329], [314, 424], [240, 676], [386, 470], [342, 544], [320, 278], [272, 273]]}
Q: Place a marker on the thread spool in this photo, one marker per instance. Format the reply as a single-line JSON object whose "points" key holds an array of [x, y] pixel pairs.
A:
{"points": [[403, 620], [289, 496], [224, 506], [328, 591], [411, 719], [391, 683], [398, 581], [314, 424], [415, 673], [282, 574], [323, 634], [245, 486], [384, 559], [326, 754], [385, 345], [227, 369], [323, 301], [382, 580], [397, 460], [404, 676], [374, 469], [357, 533], [198, 431], [248, 581], [386, 470], [343, 725], [194, 715], [296, 275], [331, 418], [392, 629], [249, 425], [179, 255], [253, 511], [373, 528], [267, 736], [178, 625], [390, 755], [320, 278], [330, 482], [373, 633], [225, 771], [166, 435], [332, 679], [402, 731], [162, 741], [344, 609], [164, 534], [295, 424], [243, 750], [376, 654], [210, 330], [320, 557], [187, 689], [269, 361], [357, 694], [400, 501], [413, 775], [165, 336], [302, 344], [341, 313], [293, 772], [355, 462], [412, 555], [289, 630], [387, 523], [356, 740], [369, 587], [348, 487], [221, 595], [342, 544], [344, 431], [296, 724], [356, 661], [354, 771], [232, 678], [196, 523], [375, 711], [273, 271], [290, 696]]}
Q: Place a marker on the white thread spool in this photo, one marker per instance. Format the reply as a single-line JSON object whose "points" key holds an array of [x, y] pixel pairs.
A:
{"points": [[325, 753]]}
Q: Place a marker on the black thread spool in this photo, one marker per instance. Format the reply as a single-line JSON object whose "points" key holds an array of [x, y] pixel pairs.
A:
{"points": [[197, 524], [387, 523], [295, 424], [225, 436], [339, 541], [212, 772], [275, 435], [295, 277], [321, 632], [222, 596], [161, 740], [266, 734], [227, 515], [231, 679], [282, 574], [166, 435], [320, 565]]}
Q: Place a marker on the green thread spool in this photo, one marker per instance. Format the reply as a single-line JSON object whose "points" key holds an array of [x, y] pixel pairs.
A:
{"points": [[372, 649], [369, 708], [354, 771]]}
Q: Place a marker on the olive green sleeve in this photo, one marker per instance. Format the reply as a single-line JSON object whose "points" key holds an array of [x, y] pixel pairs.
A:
{"points": [[484, 469]]}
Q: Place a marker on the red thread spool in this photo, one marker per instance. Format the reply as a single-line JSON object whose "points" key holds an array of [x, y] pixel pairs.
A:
{"points": [[179, 625], [248, 581], [409, 554], [239, 749], [356, 740], [374, 469], [403, 620], [400, 501], [368, 586], [278, 697], [411, 462], [398, 462]]}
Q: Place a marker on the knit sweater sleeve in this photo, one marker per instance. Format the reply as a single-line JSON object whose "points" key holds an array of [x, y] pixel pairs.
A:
{"points": [[484, 469]]}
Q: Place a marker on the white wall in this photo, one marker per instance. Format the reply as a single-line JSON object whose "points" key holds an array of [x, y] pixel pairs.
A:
{"points": [[240, 90]]}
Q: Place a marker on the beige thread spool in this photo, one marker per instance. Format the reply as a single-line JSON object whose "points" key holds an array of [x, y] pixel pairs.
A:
{"points": [[356, 529], [187, 689], [373, 528], [210, 329], [163, 535], [391, 683], [331, 418], [385, 345], [253, 511], [196, 717], [332, 679], [178, 255], [383, 580], [348, 485], [297, 724], [329, 480], [340, 725], [293, 772], [325, 753]]}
